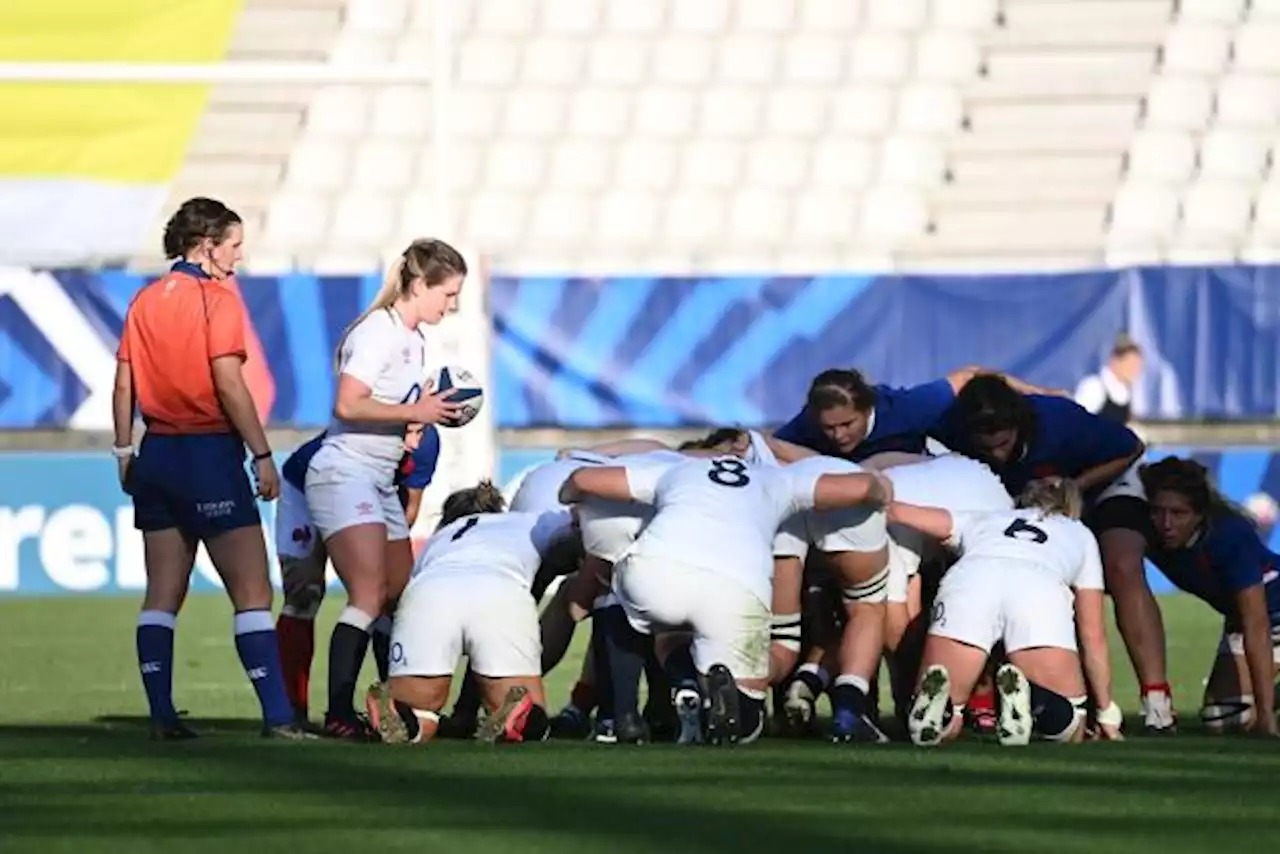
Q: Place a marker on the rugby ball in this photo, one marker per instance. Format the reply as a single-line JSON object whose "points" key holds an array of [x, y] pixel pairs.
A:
{"points": [[464, 389]]}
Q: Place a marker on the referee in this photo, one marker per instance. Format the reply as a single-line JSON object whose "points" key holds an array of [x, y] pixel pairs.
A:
{"points": [[180, 363]]}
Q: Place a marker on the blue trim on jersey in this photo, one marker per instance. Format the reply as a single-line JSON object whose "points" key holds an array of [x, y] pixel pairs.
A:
{"points": [[1228, 557], [294, 470], [417, 469], [903, 419]]}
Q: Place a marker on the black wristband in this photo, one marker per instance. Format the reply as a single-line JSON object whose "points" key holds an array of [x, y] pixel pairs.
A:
{"points": [[262, 456]]}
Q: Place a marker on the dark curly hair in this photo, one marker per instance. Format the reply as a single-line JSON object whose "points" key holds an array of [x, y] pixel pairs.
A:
{"points": [[195, 220]]}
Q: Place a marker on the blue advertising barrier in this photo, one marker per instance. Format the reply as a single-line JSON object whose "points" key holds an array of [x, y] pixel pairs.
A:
{"points": [[660, 351], [66, 528]]}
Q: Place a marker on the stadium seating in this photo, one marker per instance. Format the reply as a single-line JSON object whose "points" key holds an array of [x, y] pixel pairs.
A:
{"points": [[763, 134]]}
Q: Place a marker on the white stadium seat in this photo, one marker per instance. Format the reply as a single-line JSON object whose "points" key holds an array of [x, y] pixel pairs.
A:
{"points": [[706, 18], [1267, 211], [682, 61], [830, 16], [1248, 101], [912, 161], [815, 59], [890, 214], [795, 111], [645, 164], [402, 112], [627, 218], [880, 57], [577, 164], [506, 17], [338, 111], [749, 58], [1232, 154], [1179, 103], [1146, 211], [1197, 49], [897, 14], [944, 55], [712, 164], [318, 163], [758, 214], [1255, 47], [514, 165], [1264, 10], [377, 16], [665, 113], [765, 16], [968, 16], [1162, 155], [618, 61], [777, 164], [569, 17], [733, 112], [825, 217], [693, 217], [930, 108], [1216, 208], [555, 63], [843, 163], [382, 165], [863, 110], [1211, 11]]}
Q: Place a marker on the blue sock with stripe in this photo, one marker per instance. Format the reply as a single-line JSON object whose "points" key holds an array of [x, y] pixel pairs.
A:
{"points": [[155, 661], [260, 655]]}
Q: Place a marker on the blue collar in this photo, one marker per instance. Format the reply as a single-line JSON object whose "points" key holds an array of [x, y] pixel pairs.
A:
{"points": [[190, 269]]}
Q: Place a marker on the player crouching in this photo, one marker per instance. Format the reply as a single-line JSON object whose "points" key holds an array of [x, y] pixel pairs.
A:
{"points": [[470, 594], [1020, 577]]}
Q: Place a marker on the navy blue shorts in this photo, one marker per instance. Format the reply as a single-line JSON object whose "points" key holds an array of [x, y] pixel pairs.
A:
{"points": [[195, 483]]}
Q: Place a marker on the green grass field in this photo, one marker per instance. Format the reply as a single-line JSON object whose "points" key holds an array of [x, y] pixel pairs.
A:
{"points": [[77, 772]]}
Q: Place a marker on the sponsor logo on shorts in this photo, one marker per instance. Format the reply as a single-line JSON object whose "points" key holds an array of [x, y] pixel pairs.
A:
{"points": [[939, 613], [364, 508], [301, 535], [215, 509]]}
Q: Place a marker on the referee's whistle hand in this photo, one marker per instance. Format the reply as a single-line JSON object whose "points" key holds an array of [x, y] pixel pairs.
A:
{"points": [[267, 478]]}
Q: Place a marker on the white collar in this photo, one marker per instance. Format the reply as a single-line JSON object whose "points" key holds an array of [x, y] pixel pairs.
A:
{"points": [[871, 424]]}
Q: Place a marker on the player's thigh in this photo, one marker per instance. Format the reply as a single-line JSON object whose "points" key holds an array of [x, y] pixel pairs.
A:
{"points": [[398, 556], [428, 629], [1122, 524], [962, 661], [731, 627], [1052, 667], [427, 693], [500, 634]]}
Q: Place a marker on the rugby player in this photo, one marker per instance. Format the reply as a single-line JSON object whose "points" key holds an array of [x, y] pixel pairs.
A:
{"points": [[845, 416], [350, 484], [1211, 550], [303, 558], [705, 561], [1031, 577], [1024, 437], [470, 594]]}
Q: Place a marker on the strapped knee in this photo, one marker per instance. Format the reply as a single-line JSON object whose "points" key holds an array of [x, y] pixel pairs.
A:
{"points": [[784, 630], [1228, 714], [873, 591]]}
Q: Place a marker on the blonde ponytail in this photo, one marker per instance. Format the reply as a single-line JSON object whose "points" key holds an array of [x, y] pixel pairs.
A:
{"points": [[432, 261], [1053, 496]]}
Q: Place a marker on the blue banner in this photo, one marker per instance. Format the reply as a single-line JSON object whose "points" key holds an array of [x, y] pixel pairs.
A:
{"points": [[660, 352]]}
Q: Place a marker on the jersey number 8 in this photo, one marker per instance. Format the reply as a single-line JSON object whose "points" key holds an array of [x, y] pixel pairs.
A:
{"points": [[729, 472]]}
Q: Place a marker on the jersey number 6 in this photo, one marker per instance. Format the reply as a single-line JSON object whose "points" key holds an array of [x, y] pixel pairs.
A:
{"points": [[729, 472], [1021, 526]]}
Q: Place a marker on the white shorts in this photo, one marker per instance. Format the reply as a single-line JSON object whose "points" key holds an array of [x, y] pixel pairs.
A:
{"points": [[342, 494], [731, 625], [489, 617], [792, 539], [847, 529], [980, 603], [296, 537], [906, 551], [610, 528], [1127, 485], [1232, 643]]}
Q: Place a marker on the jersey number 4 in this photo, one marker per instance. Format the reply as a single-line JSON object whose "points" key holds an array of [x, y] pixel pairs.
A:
{"points": [[1027, 530], [729, 473]]}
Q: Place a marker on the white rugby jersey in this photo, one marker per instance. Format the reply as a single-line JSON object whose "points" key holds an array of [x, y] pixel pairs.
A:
{"points": [[760, 454], [952, 482], [719, 514], [512, 544], [391, 360], [1062, 547], [539, 492]]}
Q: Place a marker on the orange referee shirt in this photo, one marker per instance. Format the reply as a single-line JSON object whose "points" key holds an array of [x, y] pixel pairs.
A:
{"points": [[174, 328]]}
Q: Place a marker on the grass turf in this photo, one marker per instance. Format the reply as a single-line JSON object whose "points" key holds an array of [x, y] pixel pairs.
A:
{"points": [[78, 774]]}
